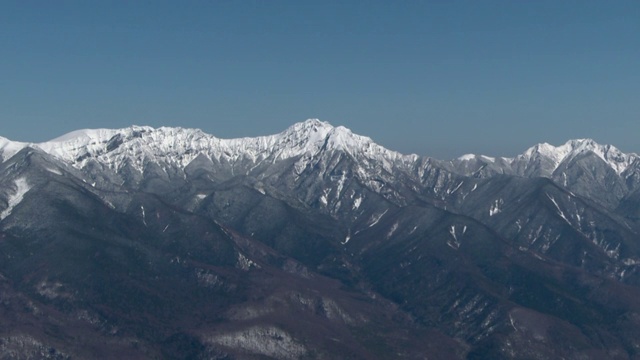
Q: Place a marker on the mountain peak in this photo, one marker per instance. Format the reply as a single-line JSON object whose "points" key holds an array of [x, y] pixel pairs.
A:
{"points": [[310, 128], [572, 148], [310, 125]]}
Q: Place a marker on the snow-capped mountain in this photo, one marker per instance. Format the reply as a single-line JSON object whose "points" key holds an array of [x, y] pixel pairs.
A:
{"points": [[314, 243], [135, 148], [544, 159], [179, 146], [600, 172], [613, 157], [138, 145]]}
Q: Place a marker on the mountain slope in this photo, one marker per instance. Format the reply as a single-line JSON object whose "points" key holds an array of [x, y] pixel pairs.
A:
{"points": [[315, 243]]}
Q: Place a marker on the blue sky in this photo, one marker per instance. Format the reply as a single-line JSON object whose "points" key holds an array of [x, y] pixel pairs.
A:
{"points": [[438, 78]]}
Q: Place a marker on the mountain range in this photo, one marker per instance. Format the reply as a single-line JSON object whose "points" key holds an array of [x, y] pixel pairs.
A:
{"points": [[315, 243]]}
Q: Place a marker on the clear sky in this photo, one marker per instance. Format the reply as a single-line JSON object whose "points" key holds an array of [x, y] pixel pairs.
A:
{"points": [[438, 78]]}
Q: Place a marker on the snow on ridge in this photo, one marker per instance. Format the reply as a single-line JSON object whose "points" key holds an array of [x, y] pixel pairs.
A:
{"points": [[9, 148], [616, 159], [467, 157], [22, 187], [85, 135], [488, 158], [180, 146], [485, 158]]}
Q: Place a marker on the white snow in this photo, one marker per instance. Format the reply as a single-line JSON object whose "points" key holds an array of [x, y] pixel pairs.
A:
{"points": [[141, 145], [392, 230], [616, 159], [488, 158], [455, 243], [467, 157], [631, 262], [376, 218], [54, 171], [347, 238], [144, 218], [456, 188], [245, 263], [9, 148], [21, 188], [341, 181], [85, 136], [452, 231], [513, 324], [558, 208], [323, 199], [304, 142], [110, 205], [357, 202], [495, 207]]}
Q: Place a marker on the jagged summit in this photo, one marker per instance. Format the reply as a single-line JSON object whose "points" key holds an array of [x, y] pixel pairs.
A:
{"points": [[618, 160], [543, 159], [179, 146], [310, 125]]}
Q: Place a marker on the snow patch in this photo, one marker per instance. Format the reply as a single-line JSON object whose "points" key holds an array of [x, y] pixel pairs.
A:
{"points": [[455, 189], [346, 239], [376, 218], [496, 207], [324, 198], [9, 148], [357, 202], [392, 230], [245, 263], [54, 171], [455, 243], [558, 209], [144, 218]]}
